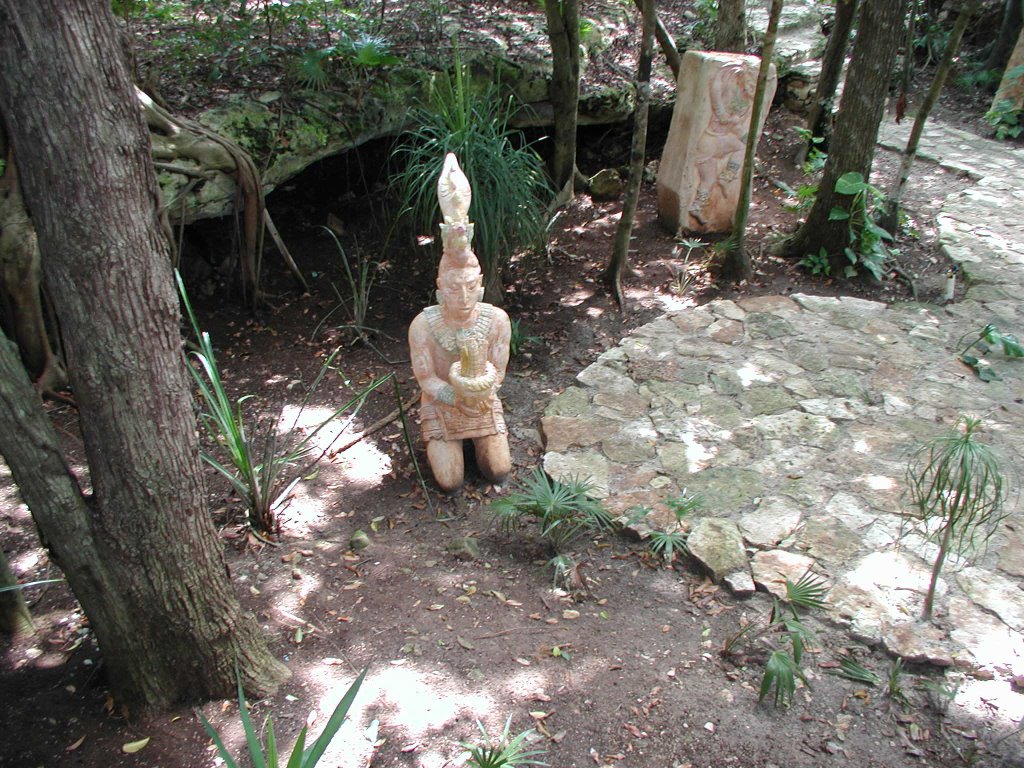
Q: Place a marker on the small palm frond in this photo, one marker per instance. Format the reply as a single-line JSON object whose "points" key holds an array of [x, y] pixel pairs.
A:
{"points": [[310, 69], [852, 669], [782, 672], [666, 544], [894, 686], [808, 592], [684, 504]]}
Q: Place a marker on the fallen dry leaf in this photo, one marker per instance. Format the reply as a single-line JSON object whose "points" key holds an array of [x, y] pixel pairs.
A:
{"points": [[134, 746]]}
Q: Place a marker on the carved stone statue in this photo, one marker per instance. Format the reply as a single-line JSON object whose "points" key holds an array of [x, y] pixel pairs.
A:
{"points": [[459, 349], [699, 176]]}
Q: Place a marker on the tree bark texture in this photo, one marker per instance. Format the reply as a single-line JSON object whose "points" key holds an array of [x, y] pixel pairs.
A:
{"points": [[563, 19], [731, 26], [880, 29], [618, 265], [737, 266], [140, 552], [819, 118]]}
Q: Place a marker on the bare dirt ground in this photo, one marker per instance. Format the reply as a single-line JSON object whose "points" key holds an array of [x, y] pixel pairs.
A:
{"points": [[626, 673]]}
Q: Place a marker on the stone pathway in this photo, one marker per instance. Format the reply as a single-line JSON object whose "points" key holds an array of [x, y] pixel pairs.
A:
{"points": [[794, 418]]}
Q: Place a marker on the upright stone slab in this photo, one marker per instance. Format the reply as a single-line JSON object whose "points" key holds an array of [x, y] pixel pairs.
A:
{"points": [[1010, 95], [699, 176]]}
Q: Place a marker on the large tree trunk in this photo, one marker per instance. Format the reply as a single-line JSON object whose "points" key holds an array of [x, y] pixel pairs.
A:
{"points": [[140, 552], [563, 18], [618, 264], [819, 118], [737, 266], [852, 149], [731, 26]]}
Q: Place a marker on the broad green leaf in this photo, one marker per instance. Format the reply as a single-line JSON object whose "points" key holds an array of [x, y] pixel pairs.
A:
{"points": [[850, 183], [838, 214]]}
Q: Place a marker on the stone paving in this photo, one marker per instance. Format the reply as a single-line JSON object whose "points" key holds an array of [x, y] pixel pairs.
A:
{"points": [[794, 417]]}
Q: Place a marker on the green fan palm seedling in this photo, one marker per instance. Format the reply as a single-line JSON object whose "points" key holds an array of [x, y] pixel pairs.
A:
{"points": [[782, 669], [958, 492], [508, 751], [668, 543], [300, 757], [563, 510]]}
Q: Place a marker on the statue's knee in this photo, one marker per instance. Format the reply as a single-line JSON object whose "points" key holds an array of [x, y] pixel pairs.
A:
{"points": [[446, 464], [494, 458]]}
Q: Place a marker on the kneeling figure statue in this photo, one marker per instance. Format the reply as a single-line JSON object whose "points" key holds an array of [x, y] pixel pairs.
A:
{"points": [[459, 349]]}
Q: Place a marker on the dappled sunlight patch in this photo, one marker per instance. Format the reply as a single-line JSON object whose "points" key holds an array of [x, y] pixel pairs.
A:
{"points": [[577, 297], [879, 482], [750, 373], [407, 704], [671, 303], [316, 496], [315, 424], [364, 465], [991, 700]]}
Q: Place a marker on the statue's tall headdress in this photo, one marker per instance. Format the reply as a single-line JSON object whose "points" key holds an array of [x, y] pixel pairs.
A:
{"points": [[454, 196]]}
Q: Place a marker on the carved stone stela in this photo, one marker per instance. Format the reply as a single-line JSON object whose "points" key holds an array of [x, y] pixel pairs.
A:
{"points": [[699, 176], [459, 349]]}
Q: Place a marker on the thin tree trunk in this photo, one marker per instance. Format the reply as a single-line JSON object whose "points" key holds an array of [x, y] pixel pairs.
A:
{"points": [[737, 264], [908, 61], [563, 21], [731, 26], [15, 619], [880, 28], [820, 114], [940, 559], [140, 552], [668, 45], [1009, 30], [618, 265], [890, 218]]}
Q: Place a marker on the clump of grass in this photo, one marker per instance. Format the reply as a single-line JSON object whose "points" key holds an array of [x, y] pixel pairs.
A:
{"points": [[510, 186], [507, 751]]}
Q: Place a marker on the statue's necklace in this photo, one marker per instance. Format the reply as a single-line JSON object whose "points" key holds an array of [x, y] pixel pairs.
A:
{"points": [[446, 337]]}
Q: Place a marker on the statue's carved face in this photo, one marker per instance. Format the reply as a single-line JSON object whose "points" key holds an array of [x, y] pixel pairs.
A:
{"points": [[460, 290]]}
